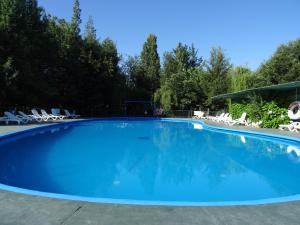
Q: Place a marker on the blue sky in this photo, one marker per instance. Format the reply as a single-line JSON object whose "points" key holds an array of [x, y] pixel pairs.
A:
{"points": [[248, 30]]}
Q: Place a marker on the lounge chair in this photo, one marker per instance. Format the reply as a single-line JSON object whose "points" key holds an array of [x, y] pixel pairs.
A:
{"points": [[71, 115], [288, 127], [49, 116], [225, 118], [218, 118], [293, 127], [228, 119], [3, 119], [256, 124], [56, 112], [38, 117], [29, 118], [241, 121], [9, 117], [198, 115]]}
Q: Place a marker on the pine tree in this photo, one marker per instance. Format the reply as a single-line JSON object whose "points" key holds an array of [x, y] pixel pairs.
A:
{"points": [[151, 63], [76, 18], [90, 31]]}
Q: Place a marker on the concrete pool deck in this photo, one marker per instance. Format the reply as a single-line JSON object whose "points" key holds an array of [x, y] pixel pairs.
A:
{"points": [[19, 209]]}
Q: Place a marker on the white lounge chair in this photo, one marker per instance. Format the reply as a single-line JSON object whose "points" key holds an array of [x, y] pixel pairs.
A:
{"points": [[198, 115], [71, 115], [241, 121], [49, 116], [3, 119], [29, 118], [218, 118], [256, 124], [228, 119], [38, 117], [12, 118], [225, 118], [56, 112], [293, 127]]}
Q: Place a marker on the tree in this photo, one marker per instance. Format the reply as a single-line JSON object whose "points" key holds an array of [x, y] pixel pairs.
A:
{"points": [[241, 78], [76, 18], [151, 63], [216, 80], [45, 61], [136, 81], [90, 31], [282, 67], [180, 80]]}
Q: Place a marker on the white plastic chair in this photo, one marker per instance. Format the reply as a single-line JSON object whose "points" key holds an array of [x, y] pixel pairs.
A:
{"points": [[12, 118], [240, 121], [49, 116], [56, 112], [71, 115], [38, 117], [27, 117]]}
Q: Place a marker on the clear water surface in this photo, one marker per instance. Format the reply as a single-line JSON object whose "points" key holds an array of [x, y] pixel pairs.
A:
{"points": [[151, 160]]}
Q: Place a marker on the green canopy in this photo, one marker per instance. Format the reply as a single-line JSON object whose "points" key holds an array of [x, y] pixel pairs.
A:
{"points": [[279, 87]]}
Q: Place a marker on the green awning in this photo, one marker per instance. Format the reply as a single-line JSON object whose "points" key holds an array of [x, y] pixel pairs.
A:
{"points": [[279, 87]]}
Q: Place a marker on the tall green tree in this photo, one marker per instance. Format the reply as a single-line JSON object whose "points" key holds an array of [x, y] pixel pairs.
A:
{"points": [[90, 34], [283, 66], [216, 79], [76, 18], [151, 63], [136, 80], [241, 78], [180, 80]]}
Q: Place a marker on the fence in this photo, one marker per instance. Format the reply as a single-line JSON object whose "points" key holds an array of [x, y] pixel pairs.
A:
{"points": [[104, 111]]}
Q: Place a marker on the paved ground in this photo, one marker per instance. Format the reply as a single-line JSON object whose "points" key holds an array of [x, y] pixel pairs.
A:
{"points": [[18, 209], [262, 130]]}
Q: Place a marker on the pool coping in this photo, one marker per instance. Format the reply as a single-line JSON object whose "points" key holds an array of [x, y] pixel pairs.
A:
{"points": [[286, 199]]}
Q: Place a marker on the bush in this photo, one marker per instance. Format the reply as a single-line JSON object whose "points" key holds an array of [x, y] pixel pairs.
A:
{"points": [[236, 110], [269, 113], [273, 115]]}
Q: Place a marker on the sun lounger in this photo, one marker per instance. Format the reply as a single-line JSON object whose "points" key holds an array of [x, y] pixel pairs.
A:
{"points": [[256, 124], [71, 115], [241, 121], [217, 117], [49, 116], [2, 119], [198, 115], [56, 112], [29, 118], [38, 117], [9, 117], [224, 119], [293, 127]]}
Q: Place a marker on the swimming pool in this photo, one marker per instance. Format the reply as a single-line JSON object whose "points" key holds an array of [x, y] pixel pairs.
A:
{"points": [[151, 161]]}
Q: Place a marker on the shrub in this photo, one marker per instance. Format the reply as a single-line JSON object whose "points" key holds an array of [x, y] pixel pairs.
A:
{"points": [[236, 110], [273, 115], [269, 113]]}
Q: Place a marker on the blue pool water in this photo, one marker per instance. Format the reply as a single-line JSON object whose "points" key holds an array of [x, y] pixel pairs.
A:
{"points": [[161, 161]]}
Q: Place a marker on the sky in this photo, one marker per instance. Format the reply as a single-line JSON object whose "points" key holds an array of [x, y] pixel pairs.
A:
{"points": [[249, 31]]}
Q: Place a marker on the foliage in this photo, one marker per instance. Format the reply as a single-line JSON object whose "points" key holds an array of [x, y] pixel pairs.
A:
{"points": [[76, 18], [45, 60], [283, 66], [241, 78], [150, 63], [216, 80], [137, 82], [269, 113], [180, 81], [273, 116]]}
